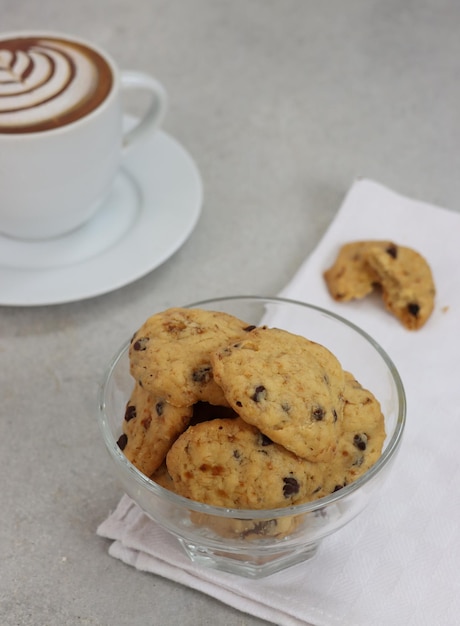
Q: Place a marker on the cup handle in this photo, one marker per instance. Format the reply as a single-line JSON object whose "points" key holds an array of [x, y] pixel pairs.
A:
{"points": [[156, 111]]}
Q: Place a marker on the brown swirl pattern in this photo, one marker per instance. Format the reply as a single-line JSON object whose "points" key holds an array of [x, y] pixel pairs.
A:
{"points": [[48, 82]]}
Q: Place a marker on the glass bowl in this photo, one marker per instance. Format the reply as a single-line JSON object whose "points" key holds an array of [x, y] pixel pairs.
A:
{"points": [[255, 543]]}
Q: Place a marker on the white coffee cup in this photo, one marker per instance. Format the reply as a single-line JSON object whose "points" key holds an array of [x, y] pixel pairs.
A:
{"points": [[61, 130]]}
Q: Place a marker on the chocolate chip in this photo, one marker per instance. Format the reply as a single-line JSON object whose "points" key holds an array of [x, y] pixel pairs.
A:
{"points": [[413, 308], [140, 344], [291, 486], [249, 328], [159, 408], [392, 250], [318, 413], [337, 488], [238, 403], [130, 412], [334, 415], [202, 375], [265, 527], [286, 407], [360, 441], [260, 393], [122, 441], [236, 454], [264, 440]]}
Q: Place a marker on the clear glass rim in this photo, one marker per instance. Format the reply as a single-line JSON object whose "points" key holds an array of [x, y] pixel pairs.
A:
{"points": [[308, 507]]}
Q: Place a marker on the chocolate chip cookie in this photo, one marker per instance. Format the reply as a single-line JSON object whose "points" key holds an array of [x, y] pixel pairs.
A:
{"points": [[362, 438], [170, 354], [407, 283], [288, 387], [351, 276], [250, 530], [401, 273], [229, 463], [150, 427]]}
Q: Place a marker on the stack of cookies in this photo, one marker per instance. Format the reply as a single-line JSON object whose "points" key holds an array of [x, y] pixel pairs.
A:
{"points": [[238, 416]]}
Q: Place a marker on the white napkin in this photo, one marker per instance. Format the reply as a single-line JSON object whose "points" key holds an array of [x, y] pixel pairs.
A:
{"points": [[399, 561]]}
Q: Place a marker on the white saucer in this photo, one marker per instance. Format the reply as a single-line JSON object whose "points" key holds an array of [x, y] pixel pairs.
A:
{"points": [[154, 206]]}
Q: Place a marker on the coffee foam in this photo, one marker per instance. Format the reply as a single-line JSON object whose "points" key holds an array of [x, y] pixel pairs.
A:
{"points": [[48, 82]]}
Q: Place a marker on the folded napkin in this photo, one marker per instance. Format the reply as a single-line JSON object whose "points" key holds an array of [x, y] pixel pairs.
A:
{"points": [[399, 561]]}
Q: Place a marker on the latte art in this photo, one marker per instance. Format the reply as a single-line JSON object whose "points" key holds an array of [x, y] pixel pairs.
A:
{"points": [[47, 82]]}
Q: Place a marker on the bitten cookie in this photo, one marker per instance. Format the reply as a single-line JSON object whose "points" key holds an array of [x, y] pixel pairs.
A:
{"points": [[288, 387], [362, 438], [408, 288], [403, 275], [229, 463], [150, 427], [351, 276], [169, 354]]}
